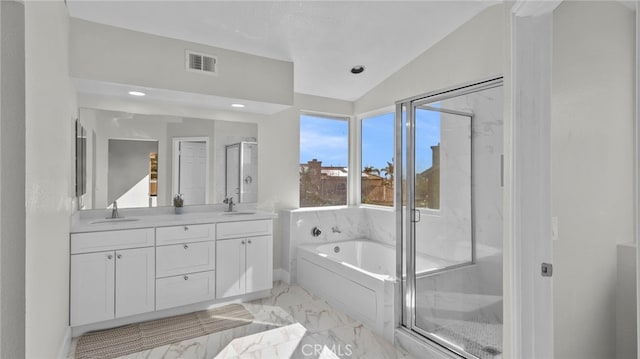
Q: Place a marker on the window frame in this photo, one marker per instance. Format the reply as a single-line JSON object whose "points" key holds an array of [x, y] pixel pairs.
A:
{"points": [[357, 185], [348, 186]]}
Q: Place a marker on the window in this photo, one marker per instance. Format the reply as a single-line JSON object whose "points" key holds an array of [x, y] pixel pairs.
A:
{"points": [[324, 151], [377, 160]]}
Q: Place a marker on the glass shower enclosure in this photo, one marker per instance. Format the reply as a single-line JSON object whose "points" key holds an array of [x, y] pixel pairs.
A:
{"points": [[450, 220], [241, 179]]}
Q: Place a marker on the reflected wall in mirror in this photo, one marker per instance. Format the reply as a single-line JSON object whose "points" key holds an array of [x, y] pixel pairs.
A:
{"points": [[144, 160], [129, 168]]}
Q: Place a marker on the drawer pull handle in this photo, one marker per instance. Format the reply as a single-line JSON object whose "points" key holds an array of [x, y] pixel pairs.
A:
{"points": [[186, 277], [109, 256], [119, 256], [249, 241], [186, 246], [186, 228]]}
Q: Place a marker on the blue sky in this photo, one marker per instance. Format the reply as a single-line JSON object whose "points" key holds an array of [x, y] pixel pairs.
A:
{"points": [[327, 140], [324, 139]]}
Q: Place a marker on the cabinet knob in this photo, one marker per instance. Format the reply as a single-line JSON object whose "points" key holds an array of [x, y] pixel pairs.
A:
{"points": [[109, 256], [119, 256], [249, 241], [242, 242], [186, 246], [186, 228], [186, 277]]}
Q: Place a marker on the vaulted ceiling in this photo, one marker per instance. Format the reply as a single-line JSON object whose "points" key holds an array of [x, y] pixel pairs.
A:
{"points": [[324, 39]]}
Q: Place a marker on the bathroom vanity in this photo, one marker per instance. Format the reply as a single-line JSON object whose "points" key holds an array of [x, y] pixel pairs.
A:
{"points": [[146, 264]]}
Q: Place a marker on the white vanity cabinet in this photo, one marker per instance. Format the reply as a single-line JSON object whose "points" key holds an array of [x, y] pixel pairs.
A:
{"points": [[244, 257], [185, 265], [110, 276], [119, 272]]}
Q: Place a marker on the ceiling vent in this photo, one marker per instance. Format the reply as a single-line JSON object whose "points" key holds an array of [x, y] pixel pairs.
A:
{"points": [[202, 63]]}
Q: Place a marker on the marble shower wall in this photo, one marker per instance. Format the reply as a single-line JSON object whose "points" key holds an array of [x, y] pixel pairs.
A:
{"points": [[336, 225]]}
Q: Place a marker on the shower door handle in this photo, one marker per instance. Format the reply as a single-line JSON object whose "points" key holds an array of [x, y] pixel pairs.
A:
{"points": [[416, 216]]}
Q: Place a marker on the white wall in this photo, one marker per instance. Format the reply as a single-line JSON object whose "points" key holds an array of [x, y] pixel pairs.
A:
{"points": [[117, 55], [12, 180], [50, 113], [592, 170]]}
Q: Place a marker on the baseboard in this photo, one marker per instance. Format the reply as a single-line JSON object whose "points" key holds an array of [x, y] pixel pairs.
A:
{"points": [[281, 275], [66, 345]]}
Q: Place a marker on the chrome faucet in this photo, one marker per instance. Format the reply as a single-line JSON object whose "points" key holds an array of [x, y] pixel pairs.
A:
{"points": [[229, 201], [114, 210]]}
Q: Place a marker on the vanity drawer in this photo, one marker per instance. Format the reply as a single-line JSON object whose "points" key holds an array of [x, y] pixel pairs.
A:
{"points": [[244, 229], [185, 258], [185, 289], [184, 234], [111, 240]]}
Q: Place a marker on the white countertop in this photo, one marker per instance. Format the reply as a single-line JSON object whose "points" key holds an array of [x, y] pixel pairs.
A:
{"points": [[161, 218]]}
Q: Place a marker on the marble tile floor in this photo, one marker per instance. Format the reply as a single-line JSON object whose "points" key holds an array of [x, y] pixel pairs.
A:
{"points": [[329, 332]]}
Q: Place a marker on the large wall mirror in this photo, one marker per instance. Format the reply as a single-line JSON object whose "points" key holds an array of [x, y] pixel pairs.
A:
{"points": [[144, 160]]}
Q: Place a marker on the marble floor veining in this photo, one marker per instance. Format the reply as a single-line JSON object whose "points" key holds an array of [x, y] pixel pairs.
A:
{"points": [[329, 332]]}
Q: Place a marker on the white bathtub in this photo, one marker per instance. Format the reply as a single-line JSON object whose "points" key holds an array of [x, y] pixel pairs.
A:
{"points": [[355, 276]]}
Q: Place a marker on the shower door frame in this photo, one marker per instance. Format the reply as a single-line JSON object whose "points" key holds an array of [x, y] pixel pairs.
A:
{"points": [[408, 292]]}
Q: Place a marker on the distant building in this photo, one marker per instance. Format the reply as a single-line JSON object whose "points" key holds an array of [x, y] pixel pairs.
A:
{"points": [[428, 183], [327, 186]]}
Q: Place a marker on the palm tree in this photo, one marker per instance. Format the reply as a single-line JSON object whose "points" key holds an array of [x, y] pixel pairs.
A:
{"points": [[371, 170], [389, 170]]}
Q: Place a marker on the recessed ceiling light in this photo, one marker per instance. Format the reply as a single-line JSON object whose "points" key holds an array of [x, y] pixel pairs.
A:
{"points": [[357, 69], [136, 93], [237, 105]]}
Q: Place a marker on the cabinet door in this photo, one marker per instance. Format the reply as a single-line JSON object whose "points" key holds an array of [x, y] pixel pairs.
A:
{"points": [[259, 264], [230, 267], [92, 287], [135, 281]]}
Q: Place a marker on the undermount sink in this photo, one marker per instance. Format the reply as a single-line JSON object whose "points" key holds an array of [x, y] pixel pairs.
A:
{"points": [[237, 213], [115, 220]]}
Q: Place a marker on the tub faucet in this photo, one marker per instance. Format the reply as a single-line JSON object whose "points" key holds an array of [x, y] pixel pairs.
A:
{"points": [[114, 210], [229, 201]]}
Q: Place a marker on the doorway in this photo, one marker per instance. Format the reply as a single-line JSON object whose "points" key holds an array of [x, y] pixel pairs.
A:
{"points": [[191, 169], [451, 218]]}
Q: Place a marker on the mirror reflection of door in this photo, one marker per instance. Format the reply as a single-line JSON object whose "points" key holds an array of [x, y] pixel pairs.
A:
{"points": [[191, 159], [130, 173]]}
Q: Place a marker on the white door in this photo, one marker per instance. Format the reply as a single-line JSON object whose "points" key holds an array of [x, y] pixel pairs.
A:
{"points": [[258, 266], [192, 178], [135, 281], [230, 267], [92, 287]]}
